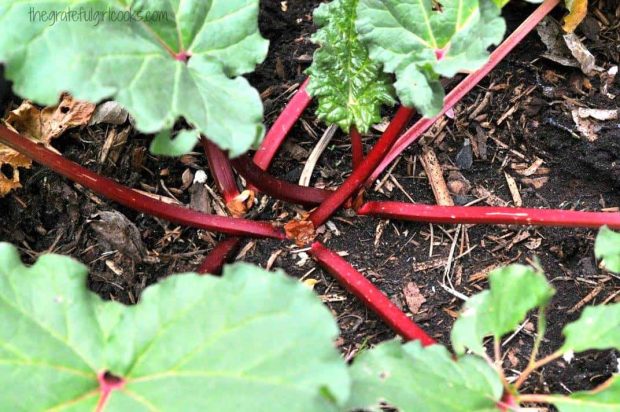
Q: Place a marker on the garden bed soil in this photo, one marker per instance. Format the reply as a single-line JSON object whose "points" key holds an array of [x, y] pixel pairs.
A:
{"points": [[51, 214]]}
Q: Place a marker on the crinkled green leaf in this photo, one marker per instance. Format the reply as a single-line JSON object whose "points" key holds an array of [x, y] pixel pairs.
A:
{"points": [[350, 87], [420, 44], [193, 343], [598, 327], [514, 291], [604, 399], [408, 377], [183, 142], [607, 248], [133, 61]]}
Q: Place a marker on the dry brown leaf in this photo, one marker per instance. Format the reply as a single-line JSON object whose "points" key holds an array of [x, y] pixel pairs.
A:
{"points": [[15, 160], [119, 233], [301, 231], [536, 183], [109, 113], [413, 297], [577, 10], [458, 184], [512, 357], [586, 60], [51, 122], [240, 205]]}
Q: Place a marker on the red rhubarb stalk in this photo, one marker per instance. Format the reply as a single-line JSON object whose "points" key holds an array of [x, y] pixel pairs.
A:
{"points": [[107, 384], [130, 198], [421, 126], [368, 293], [219, 255], [221, 170], [280, 128], [489, 215], [357, 148], [365, 168], [277, 188], [225, 180]]}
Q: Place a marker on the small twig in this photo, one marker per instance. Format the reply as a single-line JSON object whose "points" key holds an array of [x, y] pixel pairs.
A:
{"points": [[435, 177], [447, 271], [516, 332], [315, 155], [532, 366], [384, 179]]}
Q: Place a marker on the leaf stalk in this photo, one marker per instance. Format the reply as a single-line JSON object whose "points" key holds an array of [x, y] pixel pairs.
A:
{"points": [[133, 199]]}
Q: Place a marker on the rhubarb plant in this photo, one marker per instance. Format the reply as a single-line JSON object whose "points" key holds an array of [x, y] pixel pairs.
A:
{"points": [[235, 343], [402, 375], [162, 61], [420, 40], [350, 87]]}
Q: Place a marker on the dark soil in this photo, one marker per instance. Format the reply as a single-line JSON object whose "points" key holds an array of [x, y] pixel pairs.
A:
{"points": [[51, 214]]}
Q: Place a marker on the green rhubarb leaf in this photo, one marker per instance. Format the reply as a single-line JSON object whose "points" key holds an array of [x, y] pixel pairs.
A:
{"points": [[598, 327], [406, 377], [607, 248], [192, 343], [183, 142], [420, 44], [606, 398], [349, 86], [514, 291], [135, 52]]}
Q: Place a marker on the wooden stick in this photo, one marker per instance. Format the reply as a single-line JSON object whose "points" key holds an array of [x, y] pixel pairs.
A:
{"points": [[435, 177]]}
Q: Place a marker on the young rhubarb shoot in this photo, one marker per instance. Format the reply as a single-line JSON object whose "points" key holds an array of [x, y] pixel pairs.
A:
{"points": [[350, 87], [192, 343], [185, 61], [420, 41]]}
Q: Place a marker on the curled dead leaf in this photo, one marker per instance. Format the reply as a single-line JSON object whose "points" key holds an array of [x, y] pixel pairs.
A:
{"points": [[586, 121], [12, 160], [577, 10], [586, 59], [413, 297], [240, 205], [51, 122], [301, 231]]}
